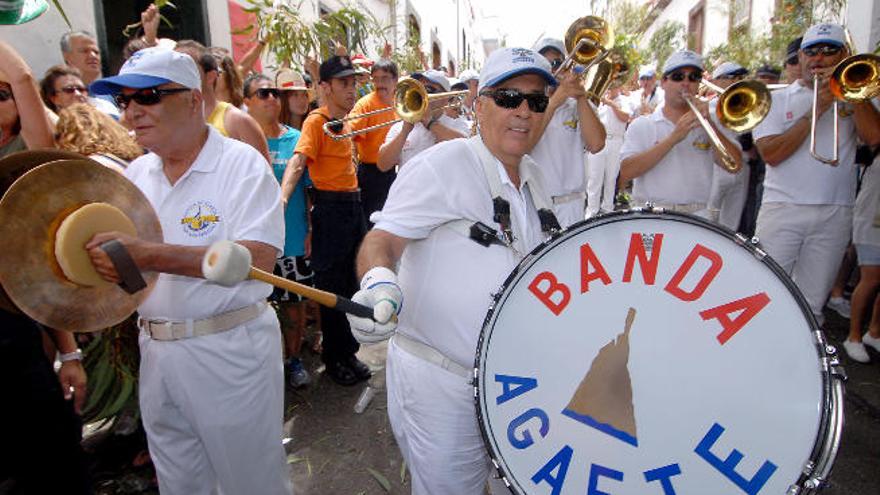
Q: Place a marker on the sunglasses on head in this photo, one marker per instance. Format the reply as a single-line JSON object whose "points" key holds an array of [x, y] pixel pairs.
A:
{"points": [[826, 50], [5, 95], [73, 88], [513, 98], [265, 93], [145, 97], [691, 76]]}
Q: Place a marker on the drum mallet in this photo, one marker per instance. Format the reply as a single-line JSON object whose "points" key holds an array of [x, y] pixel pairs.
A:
{"points": [[227, 263]]}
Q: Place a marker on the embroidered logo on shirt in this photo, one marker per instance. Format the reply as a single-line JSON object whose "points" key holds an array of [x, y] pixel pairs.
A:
{"points": [[200, 219], [702, 143], [789, 115]]}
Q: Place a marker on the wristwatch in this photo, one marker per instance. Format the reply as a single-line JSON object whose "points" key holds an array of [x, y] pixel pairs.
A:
{"points": [[76, 355]]}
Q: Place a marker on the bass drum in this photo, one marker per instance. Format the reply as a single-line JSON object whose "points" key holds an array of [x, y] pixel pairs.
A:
{"points": [[649, 352]]}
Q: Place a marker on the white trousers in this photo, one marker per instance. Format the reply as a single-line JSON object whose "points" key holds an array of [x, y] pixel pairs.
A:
{"points": [[602, 170], [808, 242], [431, 411], [727, 197], [213, 409]]}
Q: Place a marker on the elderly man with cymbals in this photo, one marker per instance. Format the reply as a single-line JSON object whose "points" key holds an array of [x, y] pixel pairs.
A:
{"points": [[211, 378], [458, 219]]}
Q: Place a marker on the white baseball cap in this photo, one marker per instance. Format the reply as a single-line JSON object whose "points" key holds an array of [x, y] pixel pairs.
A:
{"points": [[469, 75], [682, 58], [832, 34], [151, 67], [729, 69], [550, 43], [435, 76], [505, 63], [647, 72]]}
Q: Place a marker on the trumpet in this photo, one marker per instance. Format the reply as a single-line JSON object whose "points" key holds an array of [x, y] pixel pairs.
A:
{"points": [[411, 102], [854, 79], [740, 107], [588, 41]]}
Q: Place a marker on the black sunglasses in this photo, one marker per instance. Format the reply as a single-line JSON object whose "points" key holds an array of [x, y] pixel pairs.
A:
{"points": [[265, 93], [692, 76], [827, 50], [145, 97], [5, 95], [792, 60], [73, 89], [513, 98]]}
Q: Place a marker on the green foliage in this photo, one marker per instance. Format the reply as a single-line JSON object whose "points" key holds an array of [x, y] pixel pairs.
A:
{"points": [[131, 29], [627, 17], [407, 59], [666, 40]]}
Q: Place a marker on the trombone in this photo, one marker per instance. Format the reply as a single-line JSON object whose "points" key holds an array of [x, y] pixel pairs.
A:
{"points": [[588, 41], [854, 79], [740, 107], [411, 102]]}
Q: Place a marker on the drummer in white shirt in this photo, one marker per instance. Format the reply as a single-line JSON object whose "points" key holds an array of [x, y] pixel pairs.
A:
{"points": [[667, 153], [405, 140], [603, 167], [571, 126], [448, 273]]}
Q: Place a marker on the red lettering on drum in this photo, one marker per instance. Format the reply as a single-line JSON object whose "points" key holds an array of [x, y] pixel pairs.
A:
{"points": [[637, 250], [747, 308], [553, 287], [699, 251], [588, 257]]}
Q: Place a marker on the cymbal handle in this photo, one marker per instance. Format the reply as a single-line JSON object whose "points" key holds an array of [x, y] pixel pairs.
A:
{"points": [[130, 275]]}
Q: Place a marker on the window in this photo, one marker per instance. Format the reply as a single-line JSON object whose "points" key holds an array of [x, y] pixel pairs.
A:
{"points": [[696, 24], [740, 13]]}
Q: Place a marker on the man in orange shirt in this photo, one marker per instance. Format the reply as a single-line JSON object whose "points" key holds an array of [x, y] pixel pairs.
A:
{"points": [[337, 219], [374, 182]]}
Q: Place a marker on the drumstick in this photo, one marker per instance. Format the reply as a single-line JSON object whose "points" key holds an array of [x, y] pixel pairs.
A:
{"points": [[227, 263]]}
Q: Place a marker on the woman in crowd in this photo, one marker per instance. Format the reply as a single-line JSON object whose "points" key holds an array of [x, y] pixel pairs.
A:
{"points": [[86, 130], [61, 87], [296, 97], [24, 123]]}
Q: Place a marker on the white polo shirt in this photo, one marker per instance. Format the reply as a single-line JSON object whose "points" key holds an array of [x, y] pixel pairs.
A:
{"points": [[656, 100], [801, 179], [420, 139], [448, 279], [683, 176], [614, 127], [560, 154], [228, 192]]}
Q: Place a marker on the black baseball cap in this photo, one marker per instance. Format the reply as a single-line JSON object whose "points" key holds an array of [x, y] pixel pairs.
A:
{"points": [[335, 67], [768, 70], [793, 47]]}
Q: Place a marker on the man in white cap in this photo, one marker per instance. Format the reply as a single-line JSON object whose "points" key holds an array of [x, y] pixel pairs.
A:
{"points": [[667, 153], [649, 96], [458, 218], [472, 79], [570, 126], [211, 380], [405, 140], [727, 198], [805, 219]]}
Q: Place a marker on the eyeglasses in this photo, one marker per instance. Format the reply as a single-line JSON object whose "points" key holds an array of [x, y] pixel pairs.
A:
{"points": [[5, 95], [513, 98], [145, 97], [691, 76], [265, 93], [792, 60], [826, 50], [73, 89]]}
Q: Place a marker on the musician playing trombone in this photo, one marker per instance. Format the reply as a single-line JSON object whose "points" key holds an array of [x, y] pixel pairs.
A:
{"points": [[805, 219], [667, 153]]}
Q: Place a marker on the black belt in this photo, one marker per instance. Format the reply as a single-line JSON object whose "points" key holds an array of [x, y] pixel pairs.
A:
{"points": [[336, 196], [368, 163]]}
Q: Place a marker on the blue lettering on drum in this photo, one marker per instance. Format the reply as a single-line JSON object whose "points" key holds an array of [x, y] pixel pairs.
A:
{"points": [[727, 467], [595, 472], [525, 439], [513, 386], [558, 463], [663, 474]]}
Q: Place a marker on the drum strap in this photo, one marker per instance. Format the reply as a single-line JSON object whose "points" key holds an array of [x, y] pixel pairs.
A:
{"points": [[486, 235]]}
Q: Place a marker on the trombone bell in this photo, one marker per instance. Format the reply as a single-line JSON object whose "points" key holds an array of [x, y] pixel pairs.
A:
{"points": [[743, 105], [856, 78]]}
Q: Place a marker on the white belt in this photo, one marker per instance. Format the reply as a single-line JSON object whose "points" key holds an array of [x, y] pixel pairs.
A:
{"points": [[682, 207], [431, 355], [160, 329], [565, 198]]}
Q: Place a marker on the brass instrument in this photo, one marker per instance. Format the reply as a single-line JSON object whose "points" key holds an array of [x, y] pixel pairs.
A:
{"points": [[728, 162], [588, 41], [411, 102], [854, 79]]}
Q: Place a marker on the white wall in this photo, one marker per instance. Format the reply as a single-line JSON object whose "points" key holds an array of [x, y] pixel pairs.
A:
{"points": [[716, 20], [863, 21]]}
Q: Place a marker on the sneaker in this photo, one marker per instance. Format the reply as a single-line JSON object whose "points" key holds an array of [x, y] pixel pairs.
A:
{"points": [[297, 376], [840, 306], [874, 342], [856, 351]]}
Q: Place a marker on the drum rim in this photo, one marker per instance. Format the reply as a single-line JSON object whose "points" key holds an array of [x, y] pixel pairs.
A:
{"points": [[814, 474]]}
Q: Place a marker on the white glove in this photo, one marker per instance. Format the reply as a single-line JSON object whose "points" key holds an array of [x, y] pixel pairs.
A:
{"points": [[380, 291]]}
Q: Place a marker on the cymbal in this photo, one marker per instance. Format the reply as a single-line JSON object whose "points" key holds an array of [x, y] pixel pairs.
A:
{"points": [[30, 213], [11, 168]]}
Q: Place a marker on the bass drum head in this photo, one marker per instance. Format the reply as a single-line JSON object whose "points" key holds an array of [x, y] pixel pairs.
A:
{"points": [[650, 353]]}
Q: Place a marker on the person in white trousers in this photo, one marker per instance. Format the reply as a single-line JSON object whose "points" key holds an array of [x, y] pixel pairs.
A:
{"points": [[603, 167]]}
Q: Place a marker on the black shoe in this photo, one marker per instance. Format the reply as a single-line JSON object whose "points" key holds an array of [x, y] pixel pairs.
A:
{"points": [[344, 373], [360, 369]]}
